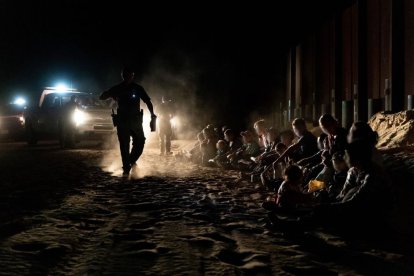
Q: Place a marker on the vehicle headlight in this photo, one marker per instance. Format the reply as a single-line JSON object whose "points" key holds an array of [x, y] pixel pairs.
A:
{"points": [[79, 117], [22, 120]]}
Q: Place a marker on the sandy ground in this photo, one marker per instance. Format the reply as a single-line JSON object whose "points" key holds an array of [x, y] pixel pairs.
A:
{"points": [[69, 212]]}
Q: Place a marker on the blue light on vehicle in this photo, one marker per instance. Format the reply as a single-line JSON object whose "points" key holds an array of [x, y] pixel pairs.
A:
{"points": [[61, 87], [20, 101]]}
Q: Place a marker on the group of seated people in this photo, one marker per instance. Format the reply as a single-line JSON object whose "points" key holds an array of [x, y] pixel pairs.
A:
{"points": [[333, 177]]}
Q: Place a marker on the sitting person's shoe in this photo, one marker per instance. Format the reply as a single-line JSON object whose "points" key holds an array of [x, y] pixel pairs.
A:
{"points": [[169, 153]]}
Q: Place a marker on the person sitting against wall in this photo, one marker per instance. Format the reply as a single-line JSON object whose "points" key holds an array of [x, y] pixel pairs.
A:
{"points": [[220, 160], [366, 196], [260, 128], [287, 137], [290, 195], [306, 145], [208, 146], [241, 159], [233, 141], [268, 156]]}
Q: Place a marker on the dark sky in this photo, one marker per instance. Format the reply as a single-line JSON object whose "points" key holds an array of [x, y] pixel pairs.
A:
{"points": [[235, 49]]}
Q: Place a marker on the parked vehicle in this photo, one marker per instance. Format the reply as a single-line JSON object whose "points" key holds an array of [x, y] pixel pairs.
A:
{"points": [[68, 115]]}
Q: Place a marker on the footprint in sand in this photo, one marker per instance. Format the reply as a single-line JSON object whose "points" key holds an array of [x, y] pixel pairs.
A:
{"points": [[249, 261], [218, 237], [203, 244], [140, 245], [128, 236], [29, 246]]}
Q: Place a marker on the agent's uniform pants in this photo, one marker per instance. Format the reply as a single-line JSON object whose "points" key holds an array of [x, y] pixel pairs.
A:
{"points": [[165, 133], [126, 129]]}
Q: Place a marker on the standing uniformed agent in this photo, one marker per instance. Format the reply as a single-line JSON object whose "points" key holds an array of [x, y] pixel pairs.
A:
{"points": [[165, 114], [128, 119]]}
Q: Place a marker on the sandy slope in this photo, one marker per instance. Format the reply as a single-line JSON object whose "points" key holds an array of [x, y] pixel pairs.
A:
{"points": [[67, 212]]}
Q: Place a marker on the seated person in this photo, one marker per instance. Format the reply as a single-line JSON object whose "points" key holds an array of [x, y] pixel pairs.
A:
{"points": [[241, 159], [337, 135], [316, 158], [220, 159], [194, 154], [271, 176], [341, 172], [366, 194], [331, 190], [306, 145], [287, 137], [260, 128], [208, 146], [269, 155], [363, 131], [290, 194], [233, 141]]}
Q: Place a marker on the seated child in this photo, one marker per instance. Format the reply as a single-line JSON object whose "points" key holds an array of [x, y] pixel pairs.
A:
{"points": [[341, 172], [290, 194], [220, 159]]}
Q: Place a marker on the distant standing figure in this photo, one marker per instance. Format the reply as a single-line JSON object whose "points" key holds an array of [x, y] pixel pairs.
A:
{"points": [[165, 114], [129, 117], [67, 126]]}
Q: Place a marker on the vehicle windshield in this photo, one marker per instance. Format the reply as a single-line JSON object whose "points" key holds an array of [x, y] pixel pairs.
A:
{"points": [[86, 100]]}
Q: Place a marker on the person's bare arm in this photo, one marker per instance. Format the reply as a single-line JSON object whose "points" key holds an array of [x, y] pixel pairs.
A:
{"points": [[287, 152], [306, 161]]}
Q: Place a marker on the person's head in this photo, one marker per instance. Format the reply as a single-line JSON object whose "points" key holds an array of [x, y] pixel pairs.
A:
{"points": [[200, 137], [328, 124], [321, 141], [224, 128], [362, 131], [208, 133], [280, 148], [271, 134], [299, 127], [128, 74], [229, 135], [358, 153], [293, 174], [287, 137], [247, 136], [221, 145], [260, 127], [338, 162]]}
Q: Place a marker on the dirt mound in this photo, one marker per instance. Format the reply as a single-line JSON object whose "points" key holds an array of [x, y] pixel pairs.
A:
{"points": [[394, 130]]}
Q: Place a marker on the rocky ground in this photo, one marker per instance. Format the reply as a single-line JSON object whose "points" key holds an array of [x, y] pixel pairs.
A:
{"points": [[69, 212]]}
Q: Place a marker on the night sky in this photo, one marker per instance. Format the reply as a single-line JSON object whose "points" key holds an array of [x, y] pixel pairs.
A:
{"points": [[229, 53]]}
